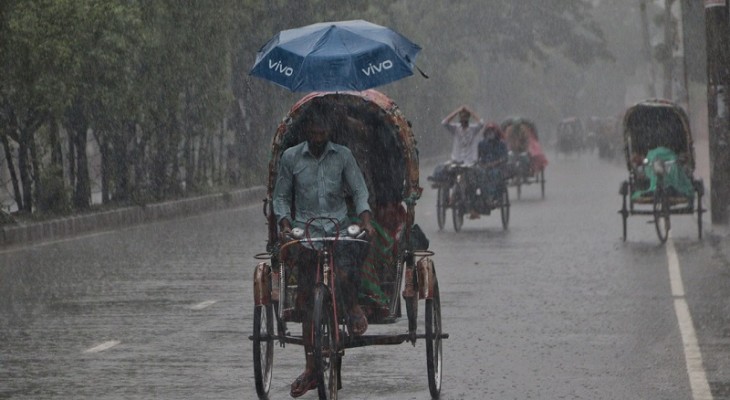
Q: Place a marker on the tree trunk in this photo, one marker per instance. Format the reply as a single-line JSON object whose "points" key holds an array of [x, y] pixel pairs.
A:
{"points": [[646, 49], [25, 174], [11, 169], [82, 192], [106, 175], [71, 159], [55, 143], [159, 163], [120, 162], [35, 163], [189, 160], [221, 143], [669, 42], [78, 127]]}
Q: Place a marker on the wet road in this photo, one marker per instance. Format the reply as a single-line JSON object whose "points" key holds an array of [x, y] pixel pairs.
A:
{"points": [[556, 307]]}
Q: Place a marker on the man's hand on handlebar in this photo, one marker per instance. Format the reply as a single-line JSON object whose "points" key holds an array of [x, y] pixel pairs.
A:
{"points": [[366, 225], [285, 230]]}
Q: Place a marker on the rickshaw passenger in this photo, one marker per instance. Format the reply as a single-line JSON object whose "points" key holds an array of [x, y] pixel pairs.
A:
{"points": [[517, 138], [464, 149], [677, 179], [316, 173], [493, 155]]}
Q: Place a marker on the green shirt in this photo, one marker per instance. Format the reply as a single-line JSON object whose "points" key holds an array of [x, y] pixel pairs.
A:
{"points": [[319, 186]]}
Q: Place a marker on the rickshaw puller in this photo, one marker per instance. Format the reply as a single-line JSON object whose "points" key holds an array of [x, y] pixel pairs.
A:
{"points": [[316, 173], [464, 150], [493, 156]]}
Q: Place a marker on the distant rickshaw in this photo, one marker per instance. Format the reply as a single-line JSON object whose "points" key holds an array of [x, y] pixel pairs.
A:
{"points": [[452, 194], [660, 160], [570, 136], [609, 137], [527, 160]]}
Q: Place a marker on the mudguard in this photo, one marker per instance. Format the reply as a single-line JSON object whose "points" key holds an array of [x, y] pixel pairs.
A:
{"points": [[426, 278], [262, 284]]}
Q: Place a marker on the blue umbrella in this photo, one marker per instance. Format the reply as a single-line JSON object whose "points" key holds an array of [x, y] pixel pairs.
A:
{"points": [[336, 56]]}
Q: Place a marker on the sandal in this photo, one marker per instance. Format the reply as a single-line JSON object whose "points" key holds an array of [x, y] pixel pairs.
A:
{"points": [[304, 383], [357, 324]]}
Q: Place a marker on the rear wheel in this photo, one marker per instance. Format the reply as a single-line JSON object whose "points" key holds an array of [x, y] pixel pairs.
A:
{"points": [[661, 215], [326, 351], [263, 348], [433, 344], [699, 216], [699, 190], [458, 206], [442, 202], [542, 183], [504, 208], [624, 217]]}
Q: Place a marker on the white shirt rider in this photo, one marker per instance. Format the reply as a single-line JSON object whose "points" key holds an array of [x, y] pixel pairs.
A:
{"points": [[466, 135]]}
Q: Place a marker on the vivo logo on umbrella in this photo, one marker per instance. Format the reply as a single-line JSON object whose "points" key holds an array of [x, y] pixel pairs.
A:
{"points": [[374, 69], [281, 68]]}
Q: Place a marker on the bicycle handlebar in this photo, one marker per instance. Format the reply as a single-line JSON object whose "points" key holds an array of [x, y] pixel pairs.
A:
{"points": [[354, 234]]}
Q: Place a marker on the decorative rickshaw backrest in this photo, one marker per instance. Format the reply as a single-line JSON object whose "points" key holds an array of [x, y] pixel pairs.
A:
{"points": [[517, 132]]}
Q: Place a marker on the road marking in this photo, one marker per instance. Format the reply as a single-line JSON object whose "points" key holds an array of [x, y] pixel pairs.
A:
{"points": [[203, 305], [692, 354], [102, 347]]}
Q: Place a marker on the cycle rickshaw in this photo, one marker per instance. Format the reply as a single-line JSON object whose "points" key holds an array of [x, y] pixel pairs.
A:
{"points": [[661, 161], [384, 146], [527, 160], [570, 136], [452, 192]]}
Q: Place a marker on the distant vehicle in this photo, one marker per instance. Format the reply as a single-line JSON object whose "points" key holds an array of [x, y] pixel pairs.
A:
{"points": [[660, 160], [609, 139], [570, 136], [527, 160], [452, 194]]}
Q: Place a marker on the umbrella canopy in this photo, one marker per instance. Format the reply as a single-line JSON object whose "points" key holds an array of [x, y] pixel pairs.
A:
{"points": [[336, 56]]}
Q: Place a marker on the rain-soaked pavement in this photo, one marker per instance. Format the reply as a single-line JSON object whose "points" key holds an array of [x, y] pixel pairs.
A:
{"points": [[556, 307]]}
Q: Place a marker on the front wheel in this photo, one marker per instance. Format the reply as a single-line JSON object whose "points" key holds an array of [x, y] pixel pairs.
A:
{"points": [[661, 215], [263, 348], [326, 349], [442, 202], [504, 208], [624, 215], [434, 351]]}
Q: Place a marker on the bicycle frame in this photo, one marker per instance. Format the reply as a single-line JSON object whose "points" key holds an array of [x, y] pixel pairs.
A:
{"points": [[326, 268]]}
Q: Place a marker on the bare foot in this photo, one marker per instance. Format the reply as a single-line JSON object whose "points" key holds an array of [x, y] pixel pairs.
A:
{"points": [[304, 383], [357, 322]]}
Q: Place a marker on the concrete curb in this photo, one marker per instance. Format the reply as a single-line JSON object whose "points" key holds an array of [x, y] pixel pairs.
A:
{"points": [[24, 234]]}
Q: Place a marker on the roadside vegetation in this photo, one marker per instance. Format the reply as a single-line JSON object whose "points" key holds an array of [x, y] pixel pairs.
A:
{"points": [[146, 101]]}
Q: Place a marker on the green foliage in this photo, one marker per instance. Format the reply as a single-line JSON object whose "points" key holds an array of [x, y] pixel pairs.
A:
{"points": [[158, 81]]}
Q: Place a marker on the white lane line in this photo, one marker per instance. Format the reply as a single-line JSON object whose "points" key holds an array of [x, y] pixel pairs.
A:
{"points": [[103, 346], [203, 305], [692, 354]]}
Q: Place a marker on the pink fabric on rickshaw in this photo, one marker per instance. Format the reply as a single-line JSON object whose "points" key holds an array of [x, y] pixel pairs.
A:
{"points": [[520, 135], [538, 161]]}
